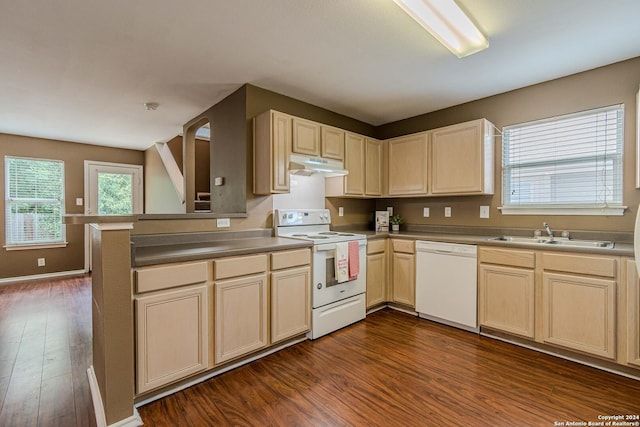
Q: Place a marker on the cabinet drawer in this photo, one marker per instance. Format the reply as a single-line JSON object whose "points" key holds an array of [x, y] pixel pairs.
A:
{"points": [[170, 276], [376, 246], [224, 268], [286, 259], [515, 258], [405, 246], [580, 264]]}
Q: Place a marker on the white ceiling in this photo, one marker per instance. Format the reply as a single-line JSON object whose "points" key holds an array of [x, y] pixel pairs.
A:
{"points": [[81, 70]]}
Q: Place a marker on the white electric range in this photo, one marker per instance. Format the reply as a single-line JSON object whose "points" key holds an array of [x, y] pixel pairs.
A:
{"points": [[335, 305]]}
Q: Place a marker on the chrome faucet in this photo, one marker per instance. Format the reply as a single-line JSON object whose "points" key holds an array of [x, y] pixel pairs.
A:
{"points": [[549, 232]]}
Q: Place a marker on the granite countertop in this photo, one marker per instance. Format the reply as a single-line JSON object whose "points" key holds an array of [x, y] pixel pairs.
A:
{"points": [[163, 249]]}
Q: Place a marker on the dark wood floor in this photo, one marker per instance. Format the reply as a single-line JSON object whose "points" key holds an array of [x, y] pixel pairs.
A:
{"points": [[391, 369], [45, 350], [396, 370]]}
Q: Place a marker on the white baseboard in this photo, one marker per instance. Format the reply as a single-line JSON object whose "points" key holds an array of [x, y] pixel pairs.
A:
{"points": [[42, 276], [101, 421]]}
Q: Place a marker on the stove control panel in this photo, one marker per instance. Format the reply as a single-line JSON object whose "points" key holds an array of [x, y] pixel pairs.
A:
{"points": [[286, 217]]}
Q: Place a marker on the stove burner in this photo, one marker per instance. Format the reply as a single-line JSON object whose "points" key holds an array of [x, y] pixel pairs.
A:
{"points": [[330, 233], [345, 234], [299, 235], [319, 237]]}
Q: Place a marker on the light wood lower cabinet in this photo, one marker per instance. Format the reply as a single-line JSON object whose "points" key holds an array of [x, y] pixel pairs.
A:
{"points": [[506, 299], [240, 325], [172, 336], [632, 335], [403, 272], [579, 302], [376, 272], [290, 303], [579, 313]]}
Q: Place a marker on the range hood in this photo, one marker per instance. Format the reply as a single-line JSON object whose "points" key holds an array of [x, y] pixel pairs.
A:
{"points": [[308, 165]]}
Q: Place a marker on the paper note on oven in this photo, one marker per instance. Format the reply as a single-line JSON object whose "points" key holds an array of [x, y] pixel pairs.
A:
{"points": [[342, 262]]}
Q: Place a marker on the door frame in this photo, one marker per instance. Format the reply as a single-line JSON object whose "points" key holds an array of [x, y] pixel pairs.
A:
{"points": [[94, 165]]}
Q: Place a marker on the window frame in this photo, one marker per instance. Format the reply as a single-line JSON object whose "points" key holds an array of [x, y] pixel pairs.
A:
{"points": [[40, 244], [604, 209]]}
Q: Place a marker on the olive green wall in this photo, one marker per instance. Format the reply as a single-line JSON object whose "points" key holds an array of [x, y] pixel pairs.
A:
{"points": [[24, 262], [613, 84]]}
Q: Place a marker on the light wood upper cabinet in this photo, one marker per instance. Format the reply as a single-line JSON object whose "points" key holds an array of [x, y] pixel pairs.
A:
{"points": [[354, 163], [376, 272], [462, 158], [272, 140], [403, 272], [332, 146], [578, 307], [171, 336], [408, 165], [373, 167], [306, 137], [632, 302]]}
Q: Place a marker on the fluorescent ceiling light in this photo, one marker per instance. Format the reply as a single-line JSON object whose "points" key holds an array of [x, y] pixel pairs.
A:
{"points": [[446, 22]]}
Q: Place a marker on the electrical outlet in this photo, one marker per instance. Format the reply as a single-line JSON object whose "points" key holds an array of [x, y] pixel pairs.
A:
{"points": [[425, 212], [79, 201], [447, 212], [340, 211], [390, 210], [484, 211], [41, 262], [223, 222]]}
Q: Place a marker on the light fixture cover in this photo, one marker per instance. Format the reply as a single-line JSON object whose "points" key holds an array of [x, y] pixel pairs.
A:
{"points": [[447, 23]]}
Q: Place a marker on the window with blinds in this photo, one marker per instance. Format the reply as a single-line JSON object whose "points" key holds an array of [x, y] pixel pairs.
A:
{"points": [[34, 202], [570, 164]]}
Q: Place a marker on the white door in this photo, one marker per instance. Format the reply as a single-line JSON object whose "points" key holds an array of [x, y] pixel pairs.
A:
{"points": [[110, 189]]}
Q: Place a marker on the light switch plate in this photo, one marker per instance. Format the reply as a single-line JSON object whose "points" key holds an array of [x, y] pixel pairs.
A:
{"points": [[447, 212], [484, 211], [218, 181], [340, 211], [223, 222], [78, 201], [390, 210], [425, 212]]}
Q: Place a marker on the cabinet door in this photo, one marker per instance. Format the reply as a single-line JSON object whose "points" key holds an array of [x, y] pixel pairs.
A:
{"points": [[506, 299], [306, 137], [376, 279], [404, 278], [373, 167], [240, 316], [171, 336], [579, 313], [458, 160], [272, 139], [354, 163], [633, 314], [332, 142], [290, 303], [408, 165]]}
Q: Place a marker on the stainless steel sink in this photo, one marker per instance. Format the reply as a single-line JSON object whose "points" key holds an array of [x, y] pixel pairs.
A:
{"points": [[520, 239], [561, 241], [582, 243]]}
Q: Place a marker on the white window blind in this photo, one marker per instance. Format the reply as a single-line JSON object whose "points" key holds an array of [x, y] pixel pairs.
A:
{"points": [[34, 193], [565, 164]]}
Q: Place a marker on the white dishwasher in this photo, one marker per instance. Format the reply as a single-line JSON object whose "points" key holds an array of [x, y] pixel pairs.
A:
{"points": [[446, 283]]}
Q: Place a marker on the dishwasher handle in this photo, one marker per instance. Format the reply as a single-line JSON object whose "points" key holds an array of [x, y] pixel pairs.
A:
{"points": [[442, 248]]}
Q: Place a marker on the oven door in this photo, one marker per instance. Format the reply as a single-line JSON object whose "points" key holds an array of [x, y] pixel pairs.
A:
{"points": [[326, 288]]}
